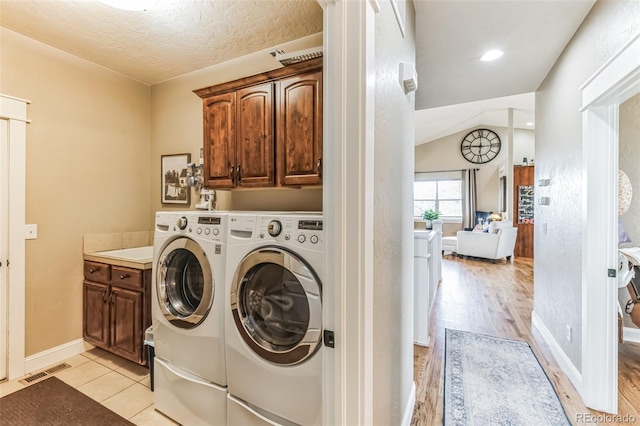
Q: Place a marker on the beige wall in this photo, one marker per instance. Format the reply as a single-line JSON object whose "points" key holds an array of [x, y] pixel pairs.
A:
{"points": [[87, 173], [444, 154], [393, 209], [176, 127]]}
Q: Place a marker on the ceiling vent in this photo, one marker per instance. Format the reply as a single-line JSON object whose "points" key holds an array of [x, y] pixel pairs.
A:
{"points": [[299, 56]]}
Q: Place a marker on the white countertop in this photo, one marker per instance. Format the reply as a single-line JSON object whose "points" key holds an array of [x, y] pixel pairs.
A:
{"points": [[135, 257]]}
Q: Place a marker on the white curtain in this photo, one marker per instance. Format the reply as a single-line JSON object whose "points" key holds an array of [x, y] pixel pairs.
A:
{"points": [[469, 198]]}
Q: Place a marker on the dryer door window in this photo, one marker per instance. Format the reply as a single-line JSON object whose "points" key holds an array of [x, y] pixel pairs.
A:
{"points": [[184, 283], [276, 305]]}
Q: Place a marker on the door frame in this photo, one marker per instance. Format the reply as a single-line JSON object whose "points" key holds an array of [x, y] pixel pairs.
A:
{"points": [[14, 110], [615, 82], [348, 123]]}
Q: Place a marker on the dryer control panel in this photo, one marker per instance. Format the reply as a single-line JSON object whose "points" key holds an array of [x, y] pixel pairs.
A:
{"points": [[301, 231]]}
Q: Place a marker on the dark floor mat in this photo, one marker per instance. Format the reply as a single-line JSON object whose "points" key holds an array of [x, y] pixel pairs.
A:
{"points": [[53, 402]]}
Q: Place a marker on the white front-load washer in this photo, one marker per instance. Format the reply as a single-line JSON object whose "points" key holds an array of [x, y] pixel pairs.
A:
{"points": [[274, 319], [188, 316]]}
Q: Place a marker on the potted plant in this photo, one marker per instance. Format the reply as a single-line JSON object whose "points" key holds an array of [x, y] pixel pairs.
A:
{"points": [[429, 216]]}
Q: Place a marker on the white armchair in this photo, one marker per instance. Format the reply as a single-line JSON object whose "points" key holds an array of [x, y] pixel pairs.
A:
{"points": [[499, 242]]}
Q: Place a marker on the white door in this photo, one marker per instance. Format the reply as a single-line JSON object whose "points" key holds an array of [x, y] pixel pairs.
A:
{"points": [[4, 242], [13, 138]]}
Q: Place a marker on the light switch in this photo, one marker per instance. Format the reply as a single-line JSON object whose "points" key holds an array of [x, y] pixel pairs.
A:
{"points": [[30, 232]]}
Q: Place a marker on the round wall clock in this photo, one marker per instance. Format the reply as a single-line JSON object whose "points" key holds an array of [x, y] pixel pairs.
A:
{"points": [[480, 146]]}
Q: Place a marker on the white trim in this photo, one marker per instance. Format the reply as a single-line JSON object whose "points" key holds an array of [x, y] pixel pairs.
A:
{"points": [[558, 354], [599, 248], [14, 98], [631, 335], [13, 117], [616, 81], [14, 107], [614, 71], [348, 102], [55, 355], [411, 403]]}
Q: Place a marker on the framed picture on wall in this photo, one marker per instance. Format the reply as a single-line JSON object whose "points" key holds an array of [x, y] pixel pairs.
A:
{"points": [[174, 188], [525, 204]]}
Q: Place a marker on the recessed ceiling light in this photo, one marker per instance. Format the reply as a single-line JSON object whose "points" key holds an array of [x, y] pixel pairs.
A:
{"points": [[530, 123], [131, 4], [491, 55]]}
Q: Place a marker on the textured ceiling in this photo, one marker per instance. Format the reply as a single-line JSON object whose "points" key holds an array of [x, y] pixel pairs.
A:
{"points": [[178, 37]]}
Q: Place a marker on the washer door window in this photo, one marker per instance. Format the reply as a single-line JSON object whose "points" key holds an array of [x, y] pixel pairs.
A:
{"points": [[184, 283], [276, 305]]}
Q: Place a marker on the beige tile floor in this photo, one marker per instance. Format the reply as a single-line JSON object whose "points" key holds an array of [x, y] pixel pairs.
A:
{"points": [[120, 385]]}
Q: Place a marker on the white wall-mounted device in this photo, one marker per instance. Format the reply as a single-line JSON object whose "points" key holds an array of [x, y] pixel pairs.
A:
{"points": [[408, 77]]}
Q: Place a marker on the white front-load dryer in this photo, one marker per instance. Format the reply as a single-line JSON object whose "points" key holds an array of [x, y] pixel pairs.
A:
{"points": [[274, 319], [188, 316]]}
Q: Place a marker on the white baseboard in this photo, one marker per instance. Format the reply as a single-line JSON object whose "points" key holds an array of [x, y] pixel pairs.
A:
{"points": [[411, 403], [631, 335], [421, 343], [55, 355], [561, 358]]}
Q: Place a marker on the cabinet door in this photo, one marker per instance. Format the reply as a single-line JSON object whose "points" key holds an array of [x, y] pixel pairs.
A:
{"points": [[254, 136], [95, 310], [219, 141], [126, 324], [299, 131]]}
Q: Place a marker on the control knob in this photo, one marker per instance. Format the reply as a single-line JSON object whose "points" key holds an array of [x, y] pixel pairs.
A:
{"points": [[182, 222], [274, 228]]}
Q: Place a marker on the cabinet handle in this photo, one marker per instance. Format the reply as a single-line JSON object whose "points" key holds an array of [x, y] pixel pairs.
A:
{"points": [[320, 167], [104, 296], [91, 270], [231, 174], [111, 299], [123, 276], [238, 177]]}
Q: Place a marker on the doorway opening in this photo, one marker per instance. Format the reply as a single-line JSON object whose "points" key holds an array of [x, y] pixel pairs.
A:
{"points": [[617, 81]]}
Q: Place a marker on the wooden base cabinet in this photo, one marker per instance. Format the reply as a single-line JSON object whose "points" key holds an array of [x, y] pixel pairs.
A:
{"points": [[264, 130], [117, 309]]}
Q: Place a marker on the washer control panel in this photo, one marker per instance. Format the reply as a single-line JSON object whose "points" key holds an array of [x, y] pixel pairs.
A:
{"points": [[208, 227]]}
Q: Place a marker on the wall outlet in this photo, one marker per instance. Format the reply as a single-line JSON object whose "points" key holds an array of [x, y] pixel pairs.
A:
{"points": [[569, 334], [30, 232]]}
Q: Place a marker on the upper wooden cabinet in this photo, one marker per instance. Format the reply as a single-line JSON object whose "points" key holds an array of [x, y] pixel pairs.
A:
{"points": [[265, 130], [299, 131], [254, 136], [220, 149]]}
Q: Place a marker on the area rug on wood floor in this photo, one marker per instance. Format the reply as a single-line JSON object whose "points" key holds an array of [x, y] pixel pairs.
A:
{"points": [[493, 381], [53, 402]]}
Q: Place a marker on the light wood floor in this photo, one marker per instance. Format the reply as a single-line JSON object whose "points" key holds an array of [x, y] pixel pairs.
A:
{"points": [[497, 299]]}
